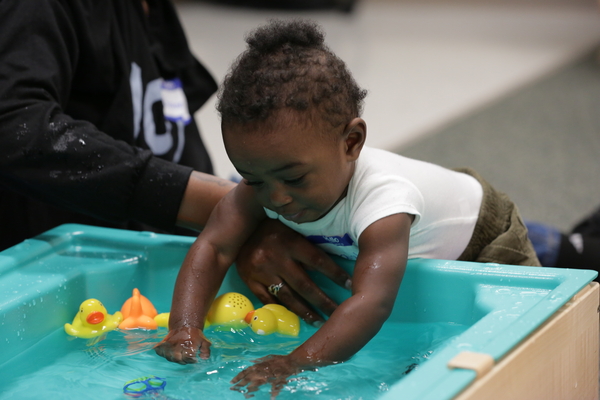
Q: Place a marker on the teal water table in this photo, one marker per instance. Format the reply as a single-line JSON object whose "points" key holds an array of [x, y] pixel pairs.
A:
{"points": [[528, 332]]}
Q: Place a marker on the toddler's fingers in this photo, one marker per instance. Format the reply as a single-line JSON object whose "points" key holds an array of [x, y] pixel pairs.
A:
{"points": [[186, 357], [164, 349], [249, 378], [276, 387], [238, 380], [205, 350], [174, 356]]}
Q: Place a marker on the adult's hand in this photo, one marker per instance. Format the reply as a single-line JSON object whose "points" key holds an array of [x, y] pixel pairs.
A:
{"points": [[276, 254]]}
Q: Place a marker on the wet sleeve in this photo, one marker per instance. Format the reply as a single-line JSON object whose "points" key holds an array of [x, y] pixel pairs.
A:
{"points": [[52, 157]]}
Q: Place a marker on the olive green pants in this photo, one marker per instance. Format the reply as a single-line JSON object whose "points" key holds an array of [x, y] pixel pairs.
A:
{"points": [[500, 236]]}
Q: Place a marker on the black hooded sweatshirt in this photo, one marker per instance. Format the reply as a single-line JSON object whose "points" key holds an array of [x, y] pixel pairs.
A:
{"points": [[84, 135]]}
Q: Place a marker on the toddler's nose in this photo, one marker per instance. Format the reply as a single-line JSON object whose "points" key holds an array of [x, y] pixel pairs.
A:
{"points": [[279, 198]]}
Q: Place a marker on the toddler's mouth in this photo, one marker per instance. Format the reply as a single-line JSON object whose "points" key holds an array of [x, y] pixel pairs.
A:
{"points": [[294, 217]]}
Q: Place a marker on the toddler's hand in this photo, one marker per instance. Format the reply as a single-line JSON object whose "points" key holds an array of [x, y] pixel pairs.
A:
{"points": [[271, 369], [182, 344]]}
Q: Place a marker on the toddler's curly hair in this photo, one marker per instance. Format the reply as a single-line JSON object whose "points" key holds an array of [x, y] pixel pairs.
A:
{"points": [[288, 65]]}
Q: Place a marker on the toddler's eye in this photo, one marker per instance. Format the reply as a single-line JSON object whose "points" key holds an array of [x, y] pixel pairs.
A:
{"points": [[252, 183], [296, 181]]}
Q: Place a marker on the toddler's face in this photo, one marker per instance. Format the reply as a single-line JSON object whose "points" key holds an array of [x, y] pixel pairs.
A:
{"points": [[296, 169]]}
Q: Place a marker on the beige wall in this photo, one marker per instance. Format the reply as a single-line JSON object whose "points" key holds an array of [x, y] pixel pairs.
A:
{"points": [[525, 2]]}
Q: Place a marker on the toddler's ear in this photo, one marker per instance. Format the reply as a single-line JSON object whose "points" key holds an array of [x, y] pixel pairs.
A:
{"points": [[355, 135]]}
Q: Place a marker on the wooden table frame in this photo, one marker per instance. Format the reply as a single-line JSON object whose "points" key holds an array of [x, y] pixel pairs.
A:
{"points": [[558, 361]]}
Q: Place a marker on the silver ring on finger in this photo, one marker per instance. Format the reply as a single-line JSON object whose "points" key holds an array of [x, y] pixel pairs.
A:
{"points": [[275, 288]]}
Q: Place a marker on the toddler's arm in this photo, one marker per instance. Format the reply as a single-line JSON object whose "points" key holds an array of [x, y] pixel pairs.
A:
{"points": [[232, 221], [377, 275]]}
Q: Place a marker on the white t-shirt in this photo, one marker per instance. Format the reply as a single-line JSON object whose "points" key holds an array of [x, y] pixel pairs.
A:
{"points": [[445, 204]]}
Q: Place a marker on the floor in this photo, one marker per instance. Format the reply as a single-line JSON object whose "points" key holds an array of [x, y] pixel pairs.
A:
{"points": [[510, 89], [540, 144]]}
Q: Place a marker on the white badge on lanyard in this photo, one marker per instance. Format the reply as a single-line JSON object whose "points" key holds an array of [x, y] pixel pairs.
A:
{"points": [[175, 107]]}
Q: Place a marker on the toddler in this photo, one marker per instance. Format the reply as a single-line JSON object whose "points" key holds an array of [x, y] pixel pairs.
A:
{"points": [[291, 126]]}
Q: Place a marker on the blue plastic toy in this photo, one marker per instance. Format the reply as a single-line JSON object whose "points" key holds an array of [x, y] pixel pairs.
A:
{"points": [[144, 386]]}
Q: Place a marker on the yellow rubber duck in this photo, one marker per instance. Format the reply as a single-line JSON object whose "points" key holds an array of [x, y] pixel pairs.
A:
{"points": [[162, 319], [236, 310], [229, 309], [138, 313], [273, 318], [93, 320]]}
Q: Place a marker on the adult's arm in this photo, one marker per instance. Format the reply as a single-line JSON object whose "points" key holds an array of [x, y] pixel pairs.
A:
{"points": [[203, 192], [50, 156]]}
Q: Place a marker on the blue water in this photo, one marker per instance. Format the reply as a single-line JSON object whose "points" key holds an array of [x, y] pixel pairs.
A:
{"points": [[61, 367]]}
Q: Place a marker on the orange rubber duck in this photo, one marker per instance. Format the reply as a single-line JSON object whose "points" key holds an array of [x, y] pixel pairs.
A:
{"points": [[138, 313]]}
